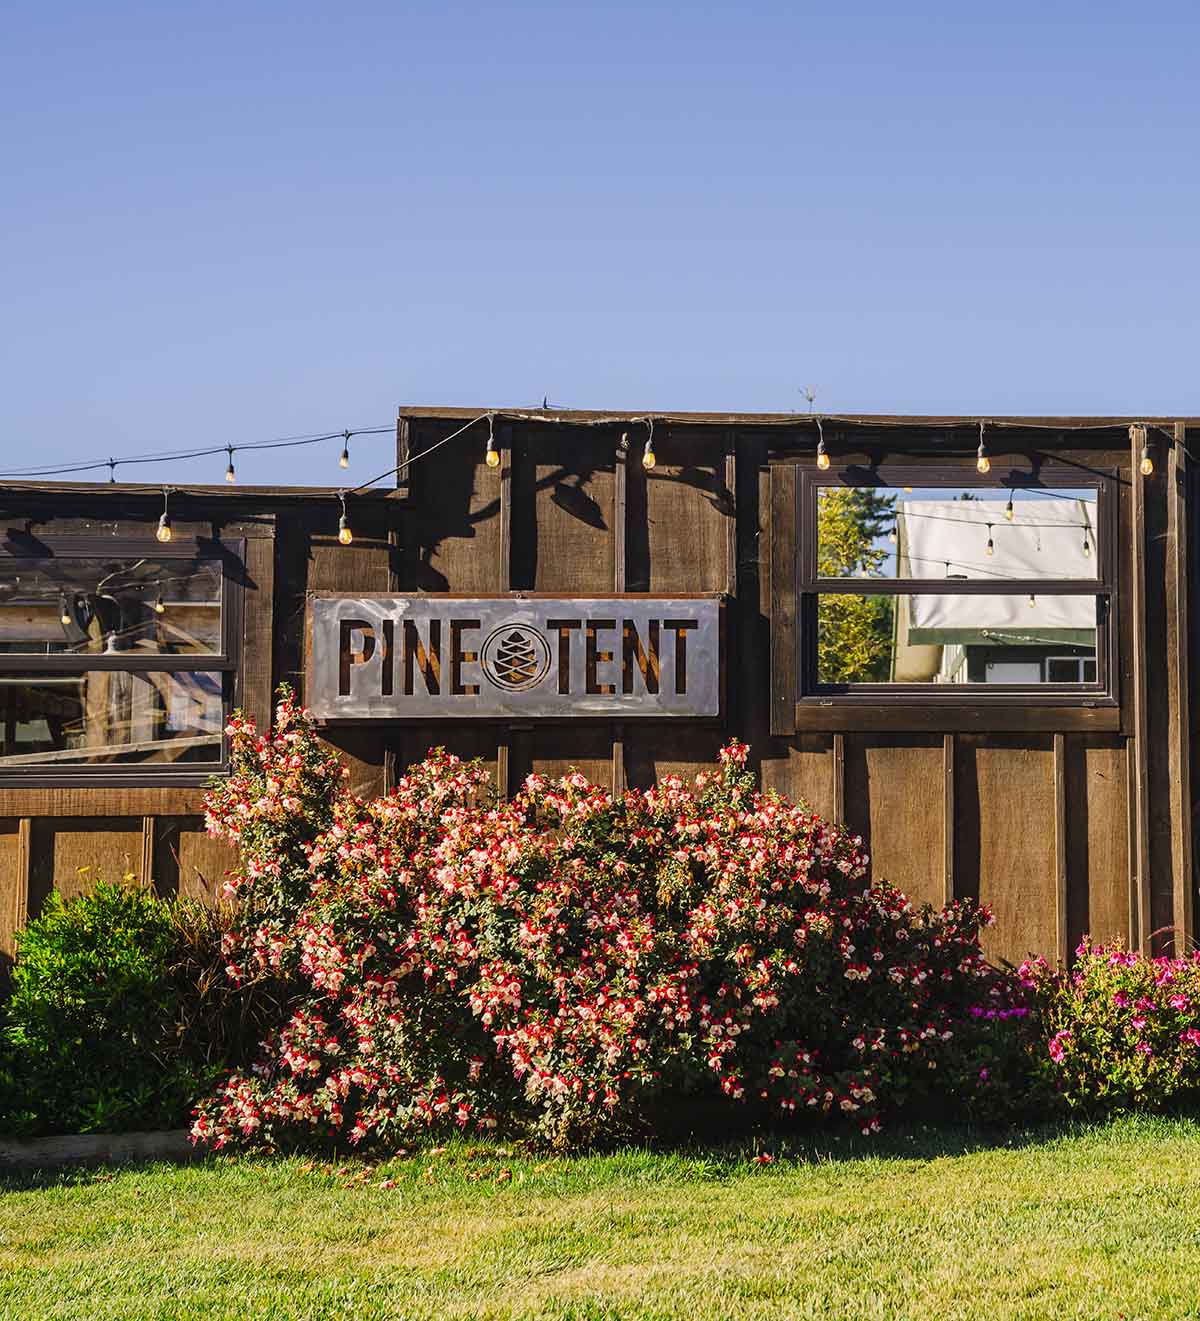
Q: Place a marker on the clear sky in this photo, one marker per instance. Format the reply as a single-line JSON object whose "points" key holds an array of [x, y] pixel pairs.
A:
{"points": [[229, 222]]}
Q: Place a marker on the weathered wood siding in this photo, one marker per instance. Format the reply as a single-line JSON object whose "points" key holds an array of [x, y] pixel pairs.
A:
{"points": [[1062, 831]]}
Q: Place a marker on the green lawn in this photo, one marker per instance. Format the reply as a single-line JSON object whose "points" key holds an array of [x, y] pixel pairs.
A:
{"points": [[1100, 1222]]}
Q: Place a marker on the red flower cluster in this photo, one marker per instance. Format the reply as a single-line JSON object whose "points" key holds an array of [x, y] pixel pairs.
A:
{"points": [[569, 961]]}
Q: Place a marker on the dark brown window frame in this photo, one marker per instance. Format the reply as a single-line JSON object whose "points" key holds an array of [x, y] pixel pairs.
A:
{"points": [[227, 662], [951, 707]]}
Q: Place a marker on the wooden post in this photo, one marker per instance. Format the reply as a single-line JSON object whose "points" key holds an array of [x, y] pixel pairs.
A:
{"points": [[620, 534], [1178, 705], [785, 637], [149, 826], [1139, 769]]}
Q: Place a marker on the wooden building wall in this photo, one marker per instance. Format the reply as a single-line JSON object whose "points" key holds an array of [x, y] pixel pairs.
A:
{"points": [[1062, 830]]}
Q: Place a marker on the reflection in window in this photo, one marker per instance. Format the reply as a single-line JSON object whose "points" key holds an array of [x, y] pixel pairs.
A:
{"points": [[110, 717], [944, 638], [103, 605], [940, 532]]}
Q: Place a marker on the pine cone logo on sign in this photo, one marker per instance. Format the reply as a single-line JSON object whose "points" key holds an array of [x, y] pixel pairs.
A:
{"points": [[515, 657]]}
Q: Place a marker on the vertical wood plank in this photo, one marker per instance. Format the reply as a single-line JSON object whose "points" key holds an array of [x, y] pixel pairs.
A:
{"points": [[1062, 939], [784, 634], [838, 764], [1139, 773], [948, 819], [1178, 706], [403, 453], [257, 641], [502, 763]]}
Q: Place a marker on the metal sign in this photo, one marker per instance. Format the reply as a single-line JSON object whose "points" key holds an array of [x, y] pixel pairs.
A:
{"points": [[443, 657]]}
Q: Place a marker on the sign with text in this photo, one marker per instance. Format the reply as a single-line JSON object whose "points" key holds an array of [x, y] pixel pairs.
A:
{"points": [[436, 657]]}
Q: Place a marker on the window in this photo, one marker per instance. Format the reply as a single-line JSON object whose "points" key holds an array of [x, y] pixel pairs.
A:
{"points": [[938, 584], [118, 660]]}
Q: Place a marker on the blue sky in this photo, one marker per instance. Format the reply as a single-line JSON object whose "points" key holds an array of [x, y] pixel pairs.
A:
{"points": [[224, 223]]}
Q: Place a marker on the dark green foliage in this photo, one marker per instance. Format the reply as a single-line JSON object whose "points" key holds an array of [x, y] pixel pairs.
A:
{"points": [[119, 1014]]}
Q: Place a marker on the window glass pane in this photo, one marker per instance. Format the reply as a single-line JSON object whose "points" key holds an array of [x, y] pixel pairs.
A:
{"points": [[110, 717], [940, 638], [99, 605], [952, 532]]}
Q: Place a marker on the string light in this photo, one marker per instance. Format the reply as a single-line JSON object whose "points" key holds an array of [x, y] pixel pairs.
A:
{"points": [[159, 605], [1032, 600], [1146, 466], [648, 458], [1087, 545], [982, 462], [344, 460], [1008, 510], [822, 457], [64, 613], [164, 532], [345, 535], [492, 456], [991, 545], [230, 475]]}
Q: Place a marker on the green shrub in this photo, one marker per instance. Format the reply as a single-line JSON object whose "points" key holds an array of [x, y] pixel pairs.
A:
{"points": [[1120, 1032], [120, 1014]]}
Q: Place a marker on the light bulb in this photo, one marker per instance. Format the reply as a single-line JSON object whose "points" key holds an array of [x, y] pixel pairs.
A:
{"points": [[345, 536], [1087, 547], [492, 457], [230, 475], [1008, 509], [982, 462], [1146, 466], [65, 617], [344, 461], [991, 548], [1032, 600], [648, 457], [822, 458], [159, 606], [164, 532], [892, 535]]}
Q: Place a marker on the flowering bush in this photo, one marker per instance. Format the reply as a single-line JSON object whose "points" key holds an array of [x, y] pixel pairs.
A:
{"points": [[1121, 1031], [572, 961]]}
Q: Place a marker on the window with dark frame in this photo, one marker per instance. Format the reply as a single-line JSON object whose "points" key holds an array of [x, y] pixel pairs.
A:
{"points": [[118, 660], [941, 584]]}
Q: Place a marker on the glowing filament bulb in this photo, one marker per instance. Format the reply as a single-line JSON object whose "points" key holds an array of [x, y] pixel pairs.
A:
{"points": [[491, 455], [1008, 510], [344, 460], [164, 532], [982, 462], [345, 536], [1032, 600], [991, 545], [1087, 546], [1146, 467], [230, 475], [649, 458], [159, 605]]}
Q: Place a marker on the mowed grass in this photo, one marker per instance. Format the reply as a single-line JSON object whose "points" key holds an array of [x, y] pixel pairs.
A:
{"points": [[1099, 1222]]}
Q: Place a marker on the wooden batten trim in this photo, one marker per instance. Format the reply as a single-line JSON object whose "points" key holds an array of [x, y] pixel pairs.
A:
{"points": [[948, 817], [838, 766], [24, 870], [1178, 702], [1140, 769], [731, 550], [620, 546], [503, 438], [149, 828], [1062, 936]]}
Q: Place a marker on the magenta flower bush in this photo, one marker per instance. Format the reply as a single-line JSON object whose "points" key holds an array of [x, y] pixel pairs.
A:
{"points": [[1119, 1031], [572, 963]]}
